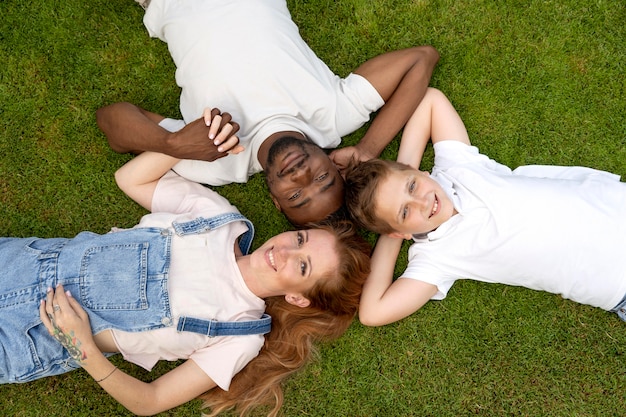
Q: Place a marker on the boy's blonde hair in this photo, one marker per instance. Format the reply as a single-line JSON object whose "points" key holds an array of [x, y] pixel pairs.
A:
{"points": [[362, 184]]}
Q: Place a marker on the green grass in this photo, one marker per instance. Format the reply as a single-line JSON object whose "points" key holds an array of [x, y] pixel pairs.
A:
{"points": [[534, 81]]}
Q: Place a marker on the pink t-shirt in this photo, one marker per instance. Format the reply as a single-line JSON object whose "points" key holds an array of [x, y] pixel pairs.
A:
{"points": [[204, 282]]}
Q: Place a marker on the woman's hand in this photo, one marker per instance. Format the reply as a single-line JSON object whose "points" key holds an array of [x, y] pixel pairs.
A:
{"points": [[67, 322], [222, 131], [208, 138]]}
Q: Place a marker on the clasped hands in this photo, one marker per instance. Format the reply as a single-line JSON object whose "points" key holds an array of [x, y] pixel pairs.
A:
{"points": [[208, 138]]}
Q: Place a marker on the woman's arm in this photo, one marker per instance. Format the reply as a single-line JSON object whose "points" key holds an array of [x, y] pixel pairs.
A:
{"points": [[69, 324], [383, 300], [139, 176]]}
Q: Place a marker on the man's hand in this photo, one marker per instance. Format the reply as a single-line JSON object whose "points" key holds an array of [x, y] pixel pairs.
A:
{"points": [[342, 158], [211, 137]]}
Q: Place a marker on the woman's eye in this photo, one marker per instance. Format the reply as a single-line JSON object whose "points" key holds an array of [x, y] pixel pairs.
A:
{"points": [[412, 187], [294, 196], [322, 177], [303, 268], [405, 213], [300, 239]]}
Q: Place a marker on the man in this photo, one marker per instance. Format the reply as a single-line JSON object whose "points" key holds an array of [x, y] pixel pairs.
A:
{"points": [[247, 58]]}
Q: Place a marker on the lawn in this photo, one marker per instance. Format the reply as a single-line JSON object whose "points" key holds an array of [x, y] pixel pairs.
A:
{"points": [[536, 82]]}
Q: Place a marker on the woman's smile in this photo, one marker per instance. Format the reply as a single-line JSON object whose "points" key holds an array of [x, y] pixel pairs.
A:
{"points": [[269, 256]]}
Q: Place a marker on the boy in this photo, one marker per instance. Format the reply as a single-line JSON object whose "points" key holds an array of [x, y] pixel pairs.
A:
{"points": [[549, 228]]}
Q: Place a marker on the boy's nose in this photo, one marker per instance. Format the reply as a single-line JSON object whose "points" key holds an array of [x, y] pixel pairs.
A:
{"points": [[421, 202]]}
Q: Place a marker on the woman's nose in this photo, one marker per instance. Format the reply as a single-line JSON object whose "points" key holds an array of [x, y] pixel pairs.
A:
{"points": [[285, 255], [284, 251]]}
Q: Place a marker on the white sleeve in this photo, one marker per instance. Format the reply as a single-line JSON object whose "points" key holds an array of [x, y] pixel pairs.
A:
{"points": [[452, 153], [174, 194], [419, 268], [222, 361]]}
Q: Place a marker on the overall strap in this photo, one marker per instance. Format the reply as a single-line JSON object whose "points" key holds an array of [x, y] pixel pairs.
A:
{"points": [[214, 328], [202, 224]]}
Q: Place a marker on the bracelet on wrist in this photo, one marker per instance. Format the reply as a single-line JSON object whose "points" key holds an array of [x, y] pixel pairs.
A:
{"points": [[110, 373]]}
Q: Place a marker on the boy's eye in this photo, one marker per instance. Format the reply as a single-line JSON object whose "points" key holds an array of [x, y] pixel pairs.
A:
{"points": [[294, 195]]}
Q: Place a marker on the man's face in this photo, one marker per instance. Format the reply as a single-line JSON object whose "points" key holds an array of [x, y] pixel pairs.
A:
{"points": [[304, 183]]}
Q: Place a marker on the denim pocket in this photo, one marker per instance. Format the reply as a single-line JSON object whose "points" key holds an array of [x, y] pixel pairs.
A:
{"points": [[41, 356], [114, 277]]}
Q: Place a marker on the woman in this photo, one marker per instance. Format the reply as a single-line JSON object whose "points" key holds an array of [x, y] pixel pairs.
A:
{"points": [[148, 291]]}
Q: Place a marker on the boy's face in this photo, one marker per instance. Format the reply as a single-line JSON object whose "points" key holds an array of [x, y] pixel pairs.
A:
{"points": [[412, 203]]}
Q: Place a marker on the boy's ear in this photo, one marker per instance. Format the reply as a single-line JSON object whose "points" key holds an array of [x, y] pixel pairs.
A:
{"points": [[297, 300], [398, 235]]}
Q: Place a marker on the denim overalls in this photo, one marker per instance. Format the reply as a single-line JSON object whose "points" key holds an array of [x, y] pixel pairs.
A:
{"points": [[119, 278]]}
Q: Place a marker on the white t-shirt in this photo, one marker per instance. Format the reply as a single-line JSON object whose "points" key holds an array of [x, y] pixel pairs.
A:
{"points": [[247, 58], [204, 282], [549, 228]]}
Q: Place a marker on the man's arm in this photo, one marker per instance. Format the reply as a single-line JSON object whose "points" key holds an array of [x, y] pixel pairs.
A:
{"points": [[130, 128], [401, 78]]}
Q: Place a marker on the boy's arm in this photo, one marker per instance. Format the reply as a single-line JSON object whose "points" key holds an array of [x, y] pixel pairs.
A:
{"points": [[434, 119], [384, 301], [129, 128], [401, 78]]}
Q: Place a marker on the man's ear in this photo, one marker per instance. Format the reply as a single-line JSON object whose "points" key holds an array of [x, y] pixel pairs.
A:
{"points": [[398, 235], [276, 203], [297, 300]]}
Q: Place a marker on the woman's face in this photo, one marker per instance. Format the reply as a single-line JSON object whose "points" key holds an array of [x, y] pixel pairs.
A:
{"points": [[293, 262]]}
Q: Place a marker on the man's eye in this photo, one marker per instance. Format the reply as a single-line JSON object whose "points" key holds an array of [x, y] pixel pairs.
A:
{"points": [[322, 177], [294, 196]]}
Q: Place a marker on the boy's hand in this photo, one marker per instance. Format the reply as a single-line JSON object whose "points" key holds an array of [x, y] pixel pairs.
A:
{"points": [[68, 323], [208, 138]]}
